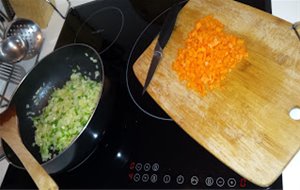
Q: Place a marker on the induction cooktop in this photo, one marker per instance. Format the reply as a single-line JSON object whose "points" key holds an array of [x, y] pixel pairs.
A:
{"points": [[144, 147]]}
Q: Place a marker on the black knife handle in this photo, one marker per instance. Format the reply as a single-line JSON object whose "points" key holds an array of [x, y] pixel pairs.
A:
{"points": [[168, 25], [8, 9]]}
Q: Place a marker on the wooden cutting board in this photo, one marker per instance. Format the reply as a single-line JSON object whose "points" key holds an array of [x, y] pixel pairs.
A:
{"points": [[38, 11], [245, 124]]}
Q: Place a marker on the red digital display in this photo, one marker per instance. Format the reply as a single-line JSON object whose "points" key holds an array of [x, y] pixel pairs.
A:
{"points": [[132, 165], [243, 182], [130, 175]]}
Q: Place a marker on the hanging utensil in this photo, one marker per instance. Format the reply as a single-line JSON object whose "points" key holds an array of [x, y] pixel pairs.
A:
{"points": [[9, 132], [13, 49], [9, 74], [163, 39], [10, 13], [30, 32], [2, 25]]}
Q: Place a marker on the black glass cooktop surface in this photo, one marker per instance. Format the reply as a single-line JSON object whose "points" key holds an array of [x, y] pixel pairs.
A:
{"points": [[143, 147]]}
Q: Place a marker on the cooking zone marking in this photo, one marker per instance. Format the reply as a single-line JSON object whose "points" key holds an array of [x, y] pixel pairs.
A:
{"points": [[102, 30], [127, 70]]}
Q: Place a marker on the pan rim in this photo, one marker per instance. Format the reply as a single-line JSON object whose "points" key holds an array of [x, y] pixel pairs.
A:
{"points": [[102, 82]]}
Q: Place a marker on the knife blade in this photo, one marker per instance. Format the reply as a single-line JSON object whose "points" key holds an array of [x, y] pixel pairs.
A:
{"points": [[163, 39]]}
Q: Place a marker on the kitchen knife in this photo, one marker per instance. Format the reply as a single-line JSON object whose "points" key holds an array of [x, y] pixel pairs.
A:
{"points": [[163, 38]]}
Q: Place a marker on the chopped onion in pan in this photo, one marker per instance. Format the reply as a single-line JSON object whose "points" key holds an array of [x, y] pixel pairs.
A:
{"points": [[66, 114]]}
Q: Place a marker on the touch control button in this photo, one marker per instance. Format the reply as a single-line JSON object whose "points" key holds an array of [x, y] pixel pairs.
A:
{"points": [[145, 177], [155, 167], [167, 179], [138, 167], [220, 181], [231, 182], [147, 167], [209, 181], [180, 179], [153, 178], [136, 177], [194, 180]]}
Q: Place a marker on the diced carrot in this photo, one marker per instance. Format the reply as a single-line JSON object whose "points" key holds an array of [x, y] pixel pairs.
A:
{"points": [[208, 56]]}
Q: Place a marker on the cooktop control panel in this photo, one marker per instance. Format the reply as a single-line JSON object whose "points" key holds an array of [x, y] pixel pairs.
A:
{"points": [[152, 174]]}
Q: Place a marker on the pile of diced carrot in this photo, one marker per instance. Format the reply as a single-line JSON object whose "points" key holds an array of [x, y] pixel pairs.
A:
{"points": [[208, 56]]}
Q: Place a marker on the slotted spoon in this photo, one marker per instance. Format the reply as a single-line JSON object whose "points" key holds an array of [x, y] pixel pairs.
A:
{"points": [[30, 32]]}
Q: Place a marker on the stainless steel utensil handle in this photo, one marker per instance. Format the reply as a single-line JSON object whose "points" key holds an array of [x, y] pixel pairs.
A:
{"points": [[2, 155], [54, 7]]}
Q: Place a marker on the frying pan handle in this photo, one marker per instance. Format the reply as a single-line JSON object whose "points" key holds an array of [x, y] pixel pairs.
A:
{"points": [[2, 155]]}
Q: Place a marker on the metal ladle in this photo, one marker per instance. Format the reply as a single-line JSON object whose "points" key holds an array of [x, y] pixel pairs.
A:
{"points": [[13, 49]]}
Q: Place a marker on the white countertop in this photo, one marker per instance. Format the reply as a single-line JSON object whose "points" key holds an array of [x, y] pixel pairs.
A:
{"points": [[285, 9]]}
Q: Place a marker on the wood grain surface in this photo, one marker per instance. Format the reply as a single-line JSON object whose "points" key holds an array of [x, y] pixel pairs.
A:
{"points": [[38, 11], [9, 132], [246, 123]]}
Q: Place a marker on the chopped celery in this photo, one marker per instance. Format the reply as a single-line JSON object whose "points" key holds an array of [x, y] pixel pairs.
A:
{"points": [[66, 114]]}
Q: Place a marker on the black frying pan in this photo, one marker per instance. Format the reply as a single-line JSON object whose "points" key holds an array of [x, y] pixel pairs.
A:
{"points": [[52, 72]]}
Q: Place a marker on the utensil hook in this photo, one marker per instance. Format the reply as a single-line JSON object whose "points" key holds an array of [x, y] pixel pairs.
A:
{"points": [[54, 7], [295, 27]]}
